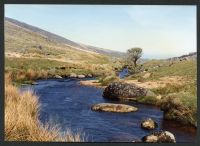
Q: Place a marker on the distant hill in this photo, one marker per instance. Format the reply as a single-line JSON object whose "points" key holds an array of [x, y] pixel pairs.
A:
{"points": [[21, 42], [60, 39], [190, 56]]}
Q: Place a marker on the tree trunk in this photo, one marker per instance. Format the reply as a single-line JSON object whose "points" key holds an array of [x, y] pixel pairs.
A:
{"points": [[135, 64]]}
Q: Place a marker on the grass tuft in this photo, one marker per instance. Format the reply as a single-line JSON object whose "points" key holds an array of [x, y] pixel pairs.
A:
{"points": [[21, 118]]}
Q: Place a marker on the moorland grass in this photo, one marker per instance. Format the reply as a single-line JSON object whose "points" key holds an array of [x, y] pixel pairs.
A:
{"points": [[21, 119], [179, 101], [30, 69]]}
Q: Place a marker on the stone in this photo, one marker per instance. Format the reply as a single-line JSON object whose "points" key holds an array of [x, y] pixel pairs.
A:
{"points": [[150, 93], [119, 90], [110, 107], [151, 138], [58, 77], [73, 75], [158, 97], [149, 124], [160, 137], [81, 76], [89, 75]]}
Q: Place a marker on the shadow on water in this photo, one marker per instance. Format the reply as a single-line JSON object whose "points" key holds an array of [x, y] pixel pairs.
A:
{"points": [[67, 103]]}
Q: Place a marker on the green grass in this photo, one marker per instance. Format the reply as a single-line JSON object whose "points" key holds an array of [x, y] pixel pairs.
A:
{"points": [[147, 100], [181, 107], [31, 44], [107, 80], [179, 101], [29, 69], [179, 68], [183, 68]]}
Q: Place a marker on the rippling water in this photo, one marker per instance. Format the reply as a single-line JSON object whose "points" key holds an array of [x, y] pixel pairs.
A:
{"points": [[65, 102]]}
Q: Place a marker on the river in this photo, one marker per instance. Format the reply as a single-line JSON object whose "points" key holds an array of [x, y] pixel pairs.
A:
{"points": [[67, 103]]}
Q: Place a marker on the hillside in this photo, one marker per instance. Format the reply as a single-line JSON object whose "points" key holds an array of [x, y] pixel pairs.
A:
{"points": [[32, 53], [22, 42], [50, 37], [174, 82]]}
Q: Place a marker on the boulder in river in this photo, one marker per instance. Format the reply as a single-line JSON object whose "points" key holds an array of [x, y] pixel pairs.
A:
{"points": [[149, 124], [73, 75], [110, 107], [119, 90], [81, 76], [160, 137]]}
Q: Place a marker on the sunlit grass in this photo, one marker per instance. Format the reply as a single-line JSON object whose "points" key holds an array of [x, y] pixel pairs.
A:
{"points": [[21, 119]]}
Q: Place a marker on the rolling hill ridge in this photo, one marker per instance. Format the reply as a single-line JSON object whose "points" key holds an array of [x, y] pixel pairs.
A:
{"points": [[59, 39]]}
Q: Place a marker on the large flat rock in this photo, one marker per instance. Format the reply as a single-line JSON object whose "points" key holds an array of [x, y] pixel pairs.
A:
{"points": [[110, 107]]}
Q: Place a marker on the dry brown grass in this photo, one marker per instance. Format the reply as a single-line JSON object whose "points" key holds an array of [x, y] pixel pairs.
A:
{"points": [[31, 74], [21, 118]]}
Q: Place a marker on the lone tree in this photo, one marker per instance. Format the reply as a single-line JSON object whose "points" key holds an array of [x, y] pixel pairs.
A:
{"points": [[134, 54]]}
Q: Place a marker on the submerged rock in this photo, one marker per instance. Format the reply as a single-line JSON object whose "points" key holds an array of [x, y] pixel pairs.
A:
{"points": [[149, 124], [110, 107], [119, 90], [160, 137]]}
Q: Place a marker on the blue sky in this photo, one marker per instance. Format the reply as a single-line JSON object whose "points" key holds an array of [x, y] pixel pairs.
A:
{"points": [[162, 31]]}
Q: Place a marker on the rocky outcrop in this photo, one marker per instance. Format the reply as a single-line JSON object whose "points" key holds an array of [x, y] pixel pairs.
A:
{"points": [[119, 90], [149, 124], [190, 56], [110, 107], [160, 137]]}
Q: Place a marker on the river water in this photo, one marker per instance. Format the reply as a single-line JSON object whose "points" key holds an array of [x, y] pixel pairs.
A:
{"points": [[67, 103]]}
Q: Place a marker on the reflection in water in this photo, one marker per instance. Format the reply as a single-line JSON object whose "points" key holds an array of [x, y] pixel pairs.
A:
{"points": [[68, 104]]}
